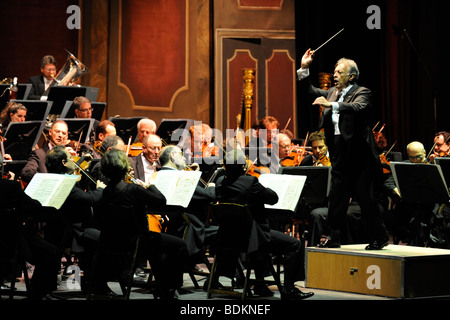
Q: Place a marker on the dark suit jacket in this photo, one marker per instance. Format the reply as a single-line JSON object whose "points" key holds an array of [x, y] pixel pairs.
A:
{"points": [[38, 88], [247, 190], [138, 167], [35, 163]]}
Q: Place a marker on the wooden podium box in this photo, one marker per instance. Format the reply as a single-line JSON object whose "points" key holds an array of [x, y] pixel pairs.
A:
{"points": [[396, 271]]}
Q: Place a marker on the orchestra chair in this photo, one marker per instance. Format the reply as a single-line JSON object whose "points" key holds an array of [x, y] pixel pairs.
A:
{"points": [[119, 245], [235, 224], [15, 259], [203, 257]]}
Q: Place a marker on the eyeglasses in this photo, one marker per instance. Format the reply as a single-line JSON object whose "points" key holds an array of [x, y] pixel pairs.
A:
{"points": [[420, 156], [86, 110]]}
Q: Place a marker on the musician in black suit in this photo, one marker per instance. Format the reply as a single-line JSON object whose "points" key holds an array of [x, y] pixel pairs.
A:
{"points": [[146, 164], [346, 123], [41, 83], [236, 187], [166, 253]]}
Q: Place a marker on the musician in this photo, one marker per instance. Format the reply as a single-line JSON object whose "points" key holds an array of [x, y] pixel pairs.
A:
{"points": [[172, 158], [345, 121], [166, 253], [83, 110], [41, 83], [235, 187], [146, 164], [13, 112], [19, 215], [104, 129], [58, 136], [75, 216], [319, 156], [416, 152], [145, 127], [441, 145]]}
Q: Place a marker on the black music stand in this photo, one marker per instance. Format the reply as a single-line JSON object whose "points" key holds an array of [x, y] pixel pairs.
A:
{"points": [[37, 110], [60, 94], [174, 131], [208, 165], [21, 137], [420, 182], [126, 127], [317, 185], [97, 112], [444, 163], [79, 127]]}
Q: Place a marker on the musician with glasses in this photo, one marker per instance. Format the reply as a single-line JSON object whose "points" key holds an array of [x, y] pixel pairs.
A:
{"points": [[42, 82]]}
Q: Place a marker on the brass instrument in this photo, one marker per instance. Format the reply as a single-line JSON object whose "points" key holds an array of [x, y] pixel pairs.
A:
{"points": [[71, 71]]}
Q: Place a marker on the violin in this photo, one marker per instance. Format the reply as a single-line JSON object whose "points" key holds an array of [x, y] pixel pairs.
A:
{"points": [[134, 149], [323, 162], [254, 170]]}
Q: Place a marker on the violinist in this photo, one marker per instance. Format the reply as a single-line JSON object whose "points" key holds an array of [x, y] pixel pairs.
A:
{"points": [[319, 148], [147, 163], [75, 215], [416, 152], [441, 146], [145, 127], [13, 112], [104, 129], [58, 136]]}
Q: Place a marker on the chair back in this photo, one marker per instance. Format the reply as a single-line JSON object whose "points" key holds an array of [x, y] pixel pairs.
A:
{"points": [[235, 225]]}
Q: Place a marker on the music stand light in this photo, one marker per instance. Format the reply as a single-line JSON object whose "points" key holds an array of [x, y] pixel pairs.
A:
{"points": [[21, 137]]}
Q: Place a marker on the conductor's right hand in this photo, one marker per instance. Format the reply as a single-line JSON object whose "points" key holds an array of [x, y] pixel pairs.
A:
{"points": [[307, 58]]}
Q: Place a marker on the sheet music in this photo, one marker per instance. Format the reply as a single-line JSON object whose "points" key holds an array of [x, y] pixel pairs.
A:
{"points": [[177, 186], [51, 189], [288, 188]]}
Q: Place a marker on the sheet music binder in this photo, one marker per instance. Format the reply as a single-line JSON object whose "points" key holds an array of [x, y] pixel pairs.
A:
{"points": [[420, 182], [317, 185], [37, 110], [21, 137]]}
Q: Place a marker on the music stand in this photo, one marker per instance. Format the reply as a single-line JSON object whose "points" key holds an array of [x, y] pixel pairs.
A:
{"points": [[317, 185], [174, 131], [79, 127], [60, 94], [21, 137], [420, 182], [97, 112], [444, 163], [207, 165], [37, 110], [126, 127]]}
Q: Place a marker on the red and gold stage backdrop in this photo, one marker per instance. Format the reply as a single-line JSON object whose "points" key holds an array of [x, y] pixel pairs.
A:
{"points": [[280, 82], [153, 51]]}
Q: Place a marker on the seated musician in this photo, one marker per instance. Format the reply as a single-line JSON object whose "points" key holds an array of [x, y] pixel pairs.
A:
{"points": [[104, 128], [13, 112], [58, 136], [41, 83], [75, 216], [166, 253], [83, 110], [319, 156], [19, 216], [172, 158], [441, 145], [236, 187], [145, 127], [146, 164], [416, 152]]}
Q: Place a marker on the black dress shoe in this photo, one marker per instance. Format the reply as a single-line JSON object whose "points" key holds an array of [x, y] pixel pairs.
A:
{"points": [[329, 243], [378, 244], [295, 294]]}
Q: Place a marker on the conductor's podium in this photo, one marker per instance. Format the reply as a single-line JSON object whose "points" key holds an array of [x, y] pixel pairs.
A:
{"points": [[396, 271]]}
